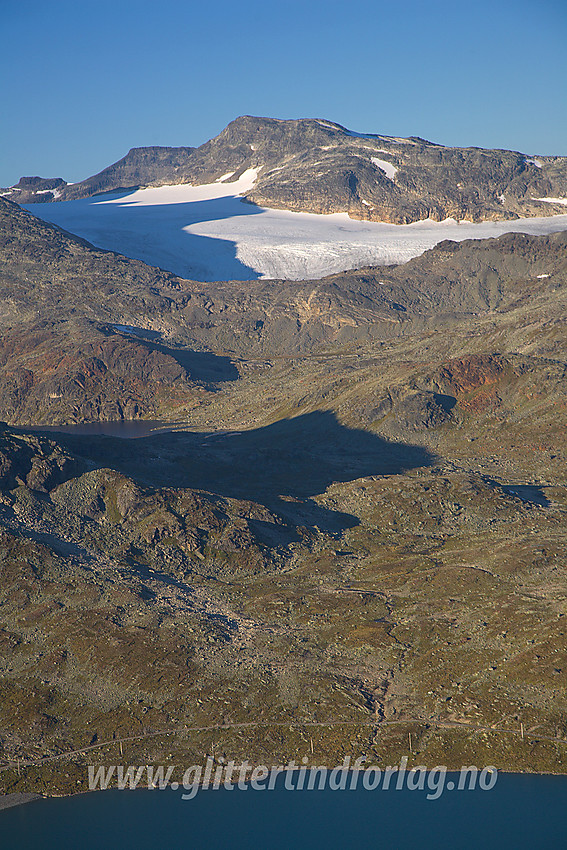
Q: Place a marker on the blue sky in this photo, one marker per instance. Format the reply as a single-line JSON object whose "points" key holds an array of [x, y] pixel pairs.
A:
{"points": [[82, 82]]}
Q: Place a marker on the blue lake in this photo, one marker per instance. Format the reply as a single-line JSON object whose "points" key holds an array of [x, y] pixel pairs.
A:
{"points": [[521, 811], [125, 428]]}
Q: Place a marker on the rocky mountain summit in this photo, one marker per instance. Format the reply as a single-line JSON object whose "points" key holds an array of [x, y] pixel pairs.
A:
{"points": [[318, 166]]}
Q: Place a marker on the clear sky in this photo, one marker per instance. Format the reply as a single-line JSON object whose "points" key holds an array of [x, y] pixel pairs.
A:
{"points": [[83, 81]]}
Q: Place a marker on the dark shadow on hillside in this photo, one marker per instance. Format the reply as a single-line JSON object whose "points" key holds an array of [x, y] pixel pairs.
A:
{"points": [[205, 366], [201, 365], [281, 466], [529, 493], [155, 233], [116, 193]]}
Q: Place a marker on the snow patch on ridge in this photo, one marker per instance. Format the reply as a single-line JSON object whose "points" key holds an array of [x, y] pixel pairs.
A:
{"points": [[562, 201], [55, 192], [326, 125], [181, 193], [362, 135], [385, 166]]}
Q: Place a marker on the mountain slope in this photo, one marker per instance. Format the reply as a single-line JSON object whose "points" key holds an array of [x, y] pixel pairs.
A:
{"points": [[357, 532], [67, 308], [140, 167]]}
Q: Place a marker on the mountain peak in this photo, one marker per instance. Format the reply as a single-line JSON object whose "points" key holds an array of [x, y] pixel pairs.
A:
{"points": [[319, 166]]}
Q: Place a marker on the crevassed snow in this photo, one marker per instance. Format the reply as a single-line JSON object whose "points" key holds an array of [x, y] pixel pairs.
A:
{"points": [[210, 233], [385, 166]]}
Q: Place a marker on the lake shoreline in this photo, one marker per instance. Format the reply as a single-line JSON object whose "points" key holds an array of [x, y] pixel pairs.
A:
{"points": [[21, 798]]}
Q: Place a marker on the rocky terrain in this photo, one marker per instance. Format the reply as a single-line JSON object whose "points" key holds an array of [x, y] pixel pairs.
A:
{"points": [[35, 190], [355, 531], [318, 166]]}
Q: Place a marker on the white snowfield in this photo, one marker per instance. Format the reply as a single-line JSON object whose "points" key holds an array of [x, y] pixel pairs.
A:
{"points": [[209, 233], [562, 201], [385, 166]]}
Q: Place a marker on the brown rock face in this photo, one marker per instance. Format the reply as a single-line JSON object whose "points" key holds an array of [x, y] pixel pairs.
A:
{"points": [[469, 373], [78, 373]]}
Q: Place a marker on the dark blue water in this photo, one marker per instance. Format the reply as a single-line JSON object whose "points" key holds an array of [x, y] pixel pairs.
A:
{"points": [[125, 428], [519, 812]]}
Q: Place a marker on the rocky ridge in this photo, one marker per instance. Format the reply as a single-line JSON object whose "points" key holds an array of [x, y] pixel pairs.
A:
{"points": [[318, 166]]}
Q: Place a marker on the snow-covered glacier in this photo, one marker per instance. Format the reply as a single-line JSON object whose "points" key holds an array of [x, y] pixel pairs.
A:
{"points": [[210, 233]]}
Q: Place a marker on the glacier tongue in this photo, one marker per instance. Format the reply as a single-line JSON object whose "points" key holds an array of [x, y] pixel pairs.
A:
{"points": [[210, 233]]}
